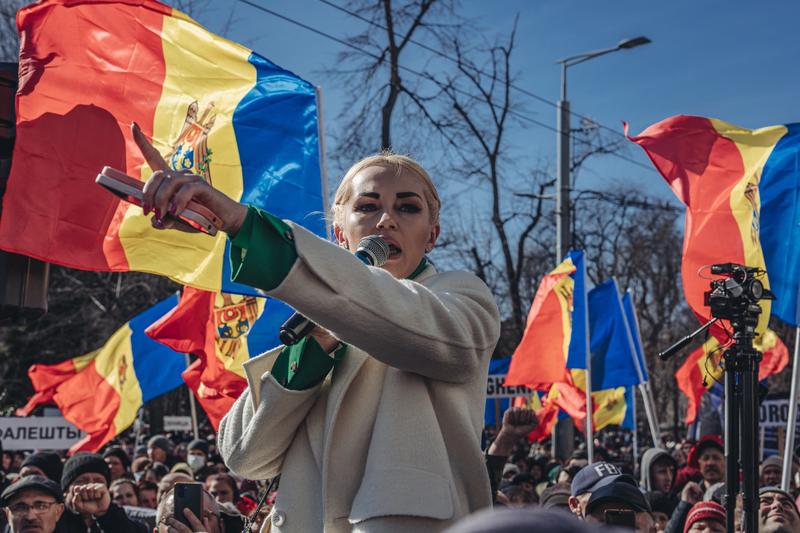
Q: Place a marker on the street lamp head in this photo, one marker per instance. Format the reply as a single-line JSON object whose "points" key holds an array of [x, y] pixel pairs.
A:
{"points": [[632, 43]]}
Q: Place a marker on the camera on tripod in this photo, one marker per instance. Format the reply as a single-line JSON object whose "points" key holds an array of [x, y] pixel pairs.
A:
{"points": [[735, 297]]}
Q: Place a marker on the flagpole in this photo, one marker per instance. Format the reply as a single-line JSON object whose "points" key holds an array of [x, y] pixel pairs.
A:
{"points": [[792, 423], [644, 385], [635, 431], [589, 405], [192, 407], [323, 162]]}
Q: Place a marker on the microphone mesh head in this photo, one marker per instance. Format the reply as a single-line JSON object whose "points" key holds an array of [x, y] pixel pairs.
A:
{"points": [[376, 248]]}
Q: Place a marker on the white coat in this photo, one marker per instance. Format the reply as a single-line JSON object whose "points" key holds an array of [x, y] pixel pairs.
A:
{"points": [[390, 440]]}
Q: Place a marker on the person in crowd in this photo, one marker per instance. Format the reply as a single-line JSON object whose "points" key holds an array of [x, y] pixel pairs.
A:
{"points": [[509, 471], [148, 494], [516, 424], [119, 463], [183, 468], [138, 467], [33, 503], [771, 471], [197, 457], [209, 522], [521, 520], [556, 497], [537, 467], [412, 345], [517, 496], [706, 517], [223, 488], [661, 505], [679, 456], [140, 451], [159, 450], [155, 472], [124, 492], [620, 503], [179, 452], [85, 483], [777, 511], [169, 481], [47, 464], [657, 470], [691, 494], [708, 456], [589, 479]]}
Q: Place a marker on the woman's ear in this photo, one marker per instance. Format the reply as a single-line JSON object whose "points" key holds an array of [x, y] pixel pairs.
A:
{"points": [[434, 234], [339, 235]]}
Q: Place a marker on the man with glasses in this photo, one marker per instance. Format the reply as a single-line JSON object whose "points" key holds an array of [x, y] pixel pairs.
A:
{"points": [[33, 504], [777, 512]]}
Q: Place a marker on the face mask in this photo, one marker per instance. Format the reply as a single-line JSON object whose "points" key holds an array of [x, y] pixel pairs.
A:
{"points": [[196, 462]]}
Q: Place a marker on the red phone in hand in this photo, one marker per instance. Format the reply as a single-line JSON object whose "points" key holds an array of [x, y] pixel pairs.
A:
{"points": [[129, 189]]}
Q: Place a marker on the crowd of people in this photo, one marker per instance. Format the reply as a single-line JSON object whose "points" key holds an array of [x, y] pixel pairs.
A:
{"points": [[124, 488], [129, 488]]}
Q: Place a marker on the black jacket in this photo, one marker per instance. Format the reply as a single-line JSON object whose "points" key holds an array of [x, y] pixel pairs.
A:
{"points": [[114, 521]]}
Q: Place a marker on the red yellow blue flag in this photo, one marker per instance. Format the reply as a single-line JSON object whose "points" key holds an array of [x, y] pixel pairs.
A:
{"points": [[223, 331], [87, 70], [741, 188], [101, 392]]}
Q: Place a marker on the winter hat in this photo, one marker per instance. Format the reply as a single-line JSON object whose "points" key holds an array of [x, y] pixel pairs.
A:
{"points": [[160, 441], [708, 441], [773, 460], [41, 483], [47, 462], [199, 444], [705, 511], [81, 463]]}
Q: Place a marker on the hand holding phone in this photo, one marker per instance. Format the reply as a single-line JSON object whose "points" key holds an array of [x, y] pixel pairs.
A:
{"points": [[130, 189], [188, 496]]}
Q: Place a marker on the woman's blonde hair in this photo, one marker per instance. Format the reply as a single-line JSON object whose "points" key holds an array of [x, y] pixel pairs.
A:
{"points": [[396, 163]]}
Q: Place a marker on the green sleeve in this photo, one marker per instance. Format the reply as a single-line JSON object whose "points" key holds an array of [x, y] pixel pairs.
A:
{"points": [[262, 252], [305, 364]]}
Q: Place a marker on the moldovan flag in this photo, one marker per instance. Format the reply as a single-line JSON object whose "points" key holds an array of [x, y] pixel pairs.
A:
{"points": [[223, 330], [742, 192], [541, 356], [90, 68], [540, 359], [703, 367], [101, 392]]}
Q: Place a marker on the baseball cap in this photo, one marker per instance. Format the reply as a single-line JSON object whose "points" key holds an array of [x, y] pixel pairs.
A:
{"points": [[555, 496], [31, 483], [618, 491], [592, 477]]}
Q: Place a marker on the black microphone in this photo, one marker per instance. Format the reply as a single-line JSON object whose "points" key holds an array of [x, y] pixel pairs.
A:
{"points": [[372, 251]]}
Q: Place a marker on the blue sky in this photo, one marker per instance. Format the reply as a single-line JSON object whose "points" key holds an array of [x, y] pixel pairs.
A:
{"points": [[735, 61]]}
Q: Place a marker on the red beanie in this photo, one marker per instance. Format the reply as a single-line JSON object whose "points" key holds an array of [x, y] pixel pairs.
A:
{"points": [[705, 511], [713, 441]]}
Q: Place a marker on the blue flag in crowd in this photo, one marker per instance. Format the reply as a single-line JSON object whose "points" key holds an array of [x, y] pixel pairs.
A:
{"points": [[613, 354], [633, 327], [779, 230]]}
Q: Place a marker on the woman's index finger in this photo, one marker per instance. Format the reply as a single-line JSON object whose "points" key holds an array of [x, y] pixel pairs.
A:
{"points": [[151, 155]]}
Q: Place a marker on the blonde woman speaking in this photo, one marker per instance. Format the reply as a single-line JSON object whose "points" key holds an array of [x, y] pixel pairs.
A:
{"points": [[374, 420]]}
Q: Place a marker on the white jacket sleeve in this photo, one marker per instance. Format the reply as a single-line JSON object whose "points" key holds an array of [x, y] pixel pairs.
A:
{"points": [[255, 434], [440, 328]]}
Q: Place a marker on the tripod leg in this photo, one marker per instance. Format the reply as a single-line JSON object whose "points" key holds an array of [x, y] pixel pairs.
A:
{"points": [[731, 438], [749, 431]]}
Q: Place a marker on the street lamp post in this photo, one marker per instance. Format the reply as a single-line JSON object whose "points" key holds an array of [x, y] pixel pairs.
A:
{"points": [[563, 438], [563, 207]]}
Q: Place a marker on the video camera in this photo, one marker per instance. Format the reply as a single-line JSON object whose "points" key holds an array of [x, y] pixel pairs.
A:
{"points": [[735, 297]]}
